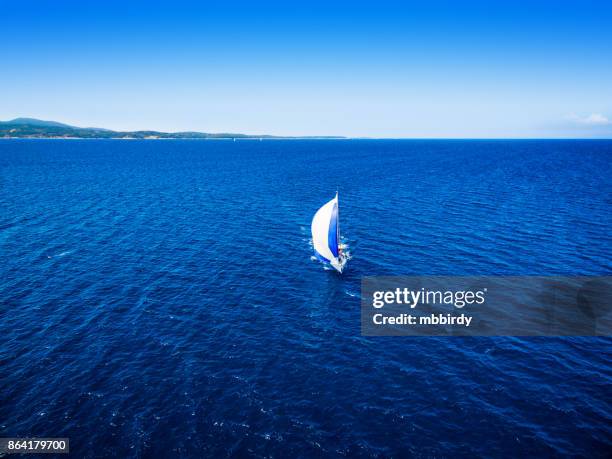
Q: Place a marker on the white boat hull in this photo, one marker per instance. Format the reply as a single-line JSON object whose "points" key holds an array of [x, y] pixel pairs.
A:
{"points": [[339, 264]]}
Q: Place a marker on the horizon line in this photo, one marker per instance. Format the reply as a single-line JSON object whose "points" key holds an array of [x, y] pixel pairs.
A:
{"points": [[307, 137], [243, 136]]}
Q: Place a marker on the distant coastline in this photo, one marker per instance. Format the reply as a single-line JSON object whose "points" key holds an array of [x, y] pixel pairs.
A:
{"points": [[31, 128]]}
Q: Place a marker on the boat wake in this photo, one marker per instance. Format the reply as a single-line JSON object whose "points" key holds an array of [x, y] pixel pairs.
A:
{"points": [[61, 254]]}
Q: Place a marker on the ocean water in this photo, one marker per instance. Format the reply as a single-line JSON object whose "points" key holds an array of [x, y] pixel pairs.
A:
{"points": [[158, 298]]}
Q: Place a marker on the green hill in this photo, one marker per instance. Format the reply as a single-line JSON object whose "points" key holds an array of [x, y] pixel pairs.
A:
{"points": [[34, 128]]}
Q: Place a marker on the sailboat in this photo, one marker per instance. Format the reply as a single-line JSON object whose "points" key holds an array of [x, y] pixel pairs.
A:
{"points": [[326, 236]]}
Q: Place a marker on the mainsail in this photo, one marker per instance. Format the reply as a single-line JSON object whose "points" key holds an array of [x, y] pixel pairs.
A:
{"points": [[326, 234]]}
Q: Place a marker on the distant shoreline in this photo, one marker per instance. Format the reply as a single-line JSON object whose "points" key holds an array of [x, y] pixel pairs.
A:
{"points": [[31, 128], [252, 139]]}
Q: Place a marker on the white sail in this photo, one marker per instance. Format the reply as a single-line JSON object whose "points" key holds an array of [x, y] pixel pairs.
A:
{"points": [[326, 234]]}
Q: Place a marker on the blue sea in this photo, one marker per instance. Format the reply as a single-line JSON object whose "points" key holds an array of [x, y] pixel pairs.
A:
{"points": [[158, 298]]}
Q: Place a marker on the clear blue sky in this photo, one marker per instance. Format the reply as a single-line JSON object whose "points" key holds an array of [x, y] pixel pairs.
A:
{"points": [[380, 69]]}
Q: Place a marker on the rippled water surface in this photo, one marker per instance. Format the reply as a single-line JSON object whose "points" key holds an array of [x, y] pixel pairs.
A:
{"points": [[158, 297]]}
